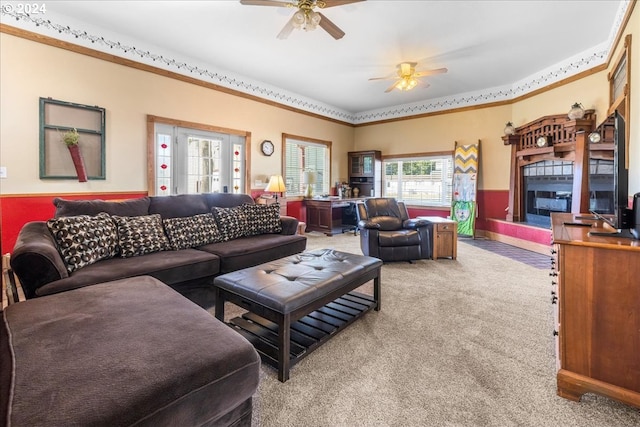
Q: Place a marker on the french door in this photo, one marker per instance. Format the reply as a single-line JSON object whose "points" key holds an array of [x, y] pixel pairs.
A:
{"points": [[190, 161]]}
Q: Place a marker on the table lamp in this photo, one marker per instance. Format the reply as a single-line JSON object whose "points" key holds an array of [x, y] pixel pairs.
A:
{"points": [[276, 185], [309, 178]]}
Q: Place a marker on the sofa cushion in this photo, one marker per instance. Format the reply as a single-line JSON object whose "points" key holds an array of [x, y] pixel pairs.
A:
{"points": [[226, 200], [192, 231], [129, 352], [253, 250], [232, 222], [170, 267], [263, 218], [131, 207], [83, 240], [179, 205], [139, 235]]}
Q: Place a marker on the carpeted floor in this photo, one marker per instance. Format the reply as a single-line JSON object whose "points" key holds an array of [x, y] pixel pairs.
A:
{"points": [[457, 343]]}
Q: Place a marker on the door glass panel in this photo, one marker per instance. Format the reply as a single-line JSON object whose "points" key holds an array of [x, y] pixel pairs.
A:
{"points": [[203, 175]]}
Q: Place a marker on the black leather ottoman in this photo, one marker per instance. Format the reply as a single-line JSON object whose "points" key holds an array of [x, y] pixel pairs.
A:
{"points": [[298, 302], [127, 352]]}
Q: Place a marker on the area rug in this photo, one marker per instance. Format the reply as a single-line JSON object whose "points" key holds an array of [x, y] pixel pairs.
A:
{"points": [[457, 343]]}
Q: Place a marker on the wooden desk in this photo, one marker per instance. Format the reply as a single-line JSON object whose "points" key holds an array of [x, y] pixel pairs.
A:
{"points": [[444, 240], [325, 215], [596, 297]]}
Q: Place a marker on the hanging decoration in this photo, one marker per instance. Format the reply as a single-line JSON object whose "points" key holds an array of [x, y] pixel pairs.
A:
{"points": [[72, 139], [465, 182]]}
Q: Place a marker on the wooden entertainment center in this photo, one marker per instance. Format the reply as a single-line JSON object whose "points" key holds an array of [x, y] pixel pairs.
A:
{"points": [[596, 296]]}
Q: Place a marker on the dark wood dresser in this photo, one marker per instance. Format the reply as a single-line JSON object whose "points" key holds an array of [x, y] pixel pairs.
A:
{"points": [[596, 297]]}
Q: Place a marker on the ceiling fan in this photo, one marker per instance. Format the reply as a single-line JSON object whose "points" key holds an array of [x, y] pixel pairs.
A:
{"points": [[407, 77], [305, 18]]}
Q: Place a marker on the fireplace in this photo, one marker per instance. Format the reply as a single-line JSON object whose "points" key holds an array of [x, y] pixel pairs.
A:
{"points": [[548, 187]]}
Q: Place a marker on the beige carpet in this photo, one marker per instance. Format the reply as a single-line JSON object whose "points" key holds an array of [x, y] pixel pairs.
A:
{"points": [[457, 343]]}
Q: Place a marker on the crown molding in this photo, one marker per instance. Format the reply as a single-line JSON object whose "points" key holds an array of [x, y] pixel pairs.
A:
{"points": [[61, 28]]}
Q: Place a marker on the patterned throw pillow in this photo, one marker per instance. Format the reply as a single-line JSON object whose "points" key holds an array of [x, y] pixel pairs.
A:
{"points": [[83, 239], [263, 218], [232, 222], [192, 231], [139, 235]]}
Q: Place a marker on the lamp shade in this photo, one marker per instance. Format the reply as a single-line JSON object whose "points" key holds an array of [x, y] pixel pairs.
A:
{"points": [[276, 184], [308, 177]]}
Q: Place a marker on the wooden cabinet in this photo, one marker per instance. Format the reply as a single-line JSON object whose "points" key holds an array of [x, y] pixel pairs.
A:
{"points": [[596, 286], [365, 172], [326, 215], [319, 216], [444, 239]]}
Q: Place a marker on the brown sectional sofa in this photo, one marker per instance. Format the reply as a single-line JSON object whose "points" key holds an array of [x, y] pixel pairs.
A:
{"points": [[102, 340], [123, 353], [41, 269]]}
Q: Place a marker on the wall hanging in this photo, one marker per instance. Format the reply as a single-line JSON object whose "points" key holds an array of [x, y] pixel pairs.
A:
{"points": [[72, 141]]}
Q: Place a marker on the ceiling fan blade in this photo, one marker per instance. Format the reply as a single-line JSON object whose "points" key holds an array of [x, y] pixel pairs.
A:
{"points": [[265, 3], [422, 84], [393, 86], [332, 3], [430, 72], [387, 77], [286, 30], [330, 27]]}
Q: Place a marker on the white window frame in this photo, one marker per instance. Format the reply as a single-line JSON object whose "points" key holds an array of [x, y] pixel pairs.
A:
{"points": [[398, 188], [293, 168]]}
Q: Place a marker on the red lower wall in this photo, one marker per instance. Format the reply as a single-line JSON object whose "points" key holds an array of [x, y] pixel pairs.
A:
{"points": [[18, 210]]}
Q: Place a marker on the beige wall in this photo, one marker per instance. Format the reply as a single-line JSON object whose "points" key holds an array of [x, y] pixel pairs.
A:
{"points": [[31, 70], [439, 132]]}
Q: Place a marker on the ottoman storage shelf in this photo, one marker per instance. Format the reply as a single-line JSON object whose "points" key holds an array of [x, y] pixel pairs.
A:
{"points": [[297, 303]]}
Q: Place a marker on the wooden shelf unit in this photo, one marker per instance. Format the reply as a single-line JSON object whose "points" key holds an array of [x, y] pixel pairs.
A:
{"points": [[365, 172]]}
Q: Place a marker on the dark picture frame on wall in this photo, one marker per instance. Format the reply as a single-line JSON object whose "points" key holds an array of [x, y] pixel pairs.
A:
{"points": [[56, 158]]}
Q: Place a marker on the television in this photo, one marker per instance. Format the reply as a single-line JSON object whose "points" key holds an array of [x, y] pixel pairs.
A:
{"points": [[623, 219]]}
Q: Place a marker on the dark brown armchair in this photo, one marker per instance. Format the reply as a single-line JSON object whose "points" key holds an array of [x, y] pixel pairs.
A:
{"points": [[387, 233]]}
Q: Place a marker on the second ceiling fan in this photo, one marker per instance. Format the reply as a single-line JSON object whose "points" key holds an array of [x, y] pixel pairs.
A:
{"points": [[406, 78], [305, 18]]}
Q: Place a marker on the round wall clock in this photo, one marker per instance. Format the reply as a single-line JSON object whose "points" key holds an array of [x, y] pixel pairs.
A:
{"points": [[542, 141], [267, 147]]}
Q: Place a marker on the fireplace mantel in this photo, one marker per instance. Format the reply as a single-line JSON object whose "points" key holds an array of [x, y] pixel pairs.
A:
{"points": [[568, 142]]}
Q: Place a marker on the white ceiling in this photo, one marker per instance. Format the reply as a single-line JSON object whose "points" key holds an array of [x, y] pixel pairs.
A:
{"points": [[493, 49]]}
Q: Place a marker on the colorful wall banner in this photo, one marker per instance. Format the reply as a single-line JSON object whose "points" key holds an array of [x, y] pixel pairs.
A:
{"points": [[465, 186]]}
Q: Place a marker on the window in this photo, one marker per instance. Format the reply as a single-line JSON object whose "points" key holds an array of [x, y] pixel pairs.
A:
{"points": [[419, 180], [306, 155], [620, 90], [196, 160]]}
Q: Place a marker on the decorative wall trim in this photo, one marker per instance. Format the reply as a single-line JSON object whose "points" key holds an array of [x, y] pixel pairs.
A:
{"points": [[577, 64]]}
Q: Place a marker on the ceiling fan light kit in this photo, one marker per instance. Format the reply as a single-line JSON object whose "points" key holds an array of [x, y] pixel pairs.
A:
{"points": [[407, 77], [406, 83], [305, 18]]}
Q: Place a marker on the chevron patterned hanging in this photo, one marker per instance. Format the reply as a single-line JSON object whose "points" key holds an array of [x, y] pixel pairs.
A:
{"points": [[466, 160], [465, 183]]}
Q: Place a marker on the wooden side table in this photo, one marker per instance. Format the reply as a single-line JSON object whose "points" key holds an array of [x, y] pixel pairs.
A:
{"points": [[445, 237]]}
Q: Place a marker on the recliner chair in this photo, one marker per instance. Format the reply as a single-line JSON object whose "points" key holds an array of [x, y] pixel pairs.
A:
{"points": [[387, 232]]}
